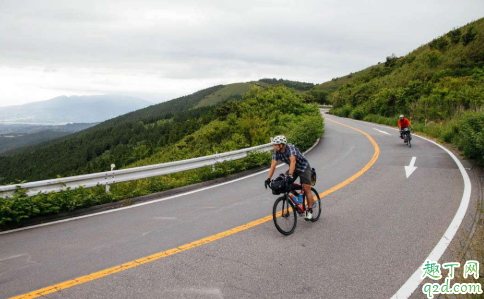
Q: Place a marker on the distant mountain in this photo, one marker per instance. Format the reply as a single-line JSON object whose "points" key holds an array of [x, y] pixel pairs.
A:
{"points": [[73, 109]]}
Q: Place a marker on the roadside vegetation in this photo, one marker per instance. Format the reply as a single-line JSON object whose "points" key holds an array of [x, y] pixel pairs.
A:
{"points": [[230, 125]]}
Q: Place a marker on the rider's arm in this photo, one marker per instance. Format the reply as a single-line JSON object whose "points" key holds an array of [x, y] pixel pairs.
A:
{"points": [[273, 167], [292, 167]]}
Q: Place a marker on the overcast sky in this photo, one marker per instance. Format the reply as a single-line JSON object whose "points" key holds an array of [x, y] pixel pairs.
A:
{"points": [[160, 50]]}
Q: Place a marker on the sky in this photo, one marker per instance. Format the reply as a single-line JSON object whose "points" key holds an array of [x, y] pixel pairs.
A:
{"points": [[160, 50]]}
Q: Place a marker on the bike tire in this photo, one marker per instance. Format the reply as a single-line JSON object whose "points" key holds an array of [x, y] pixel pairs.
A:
{"points": [[316, 205], [281, 214], [408, 140]]}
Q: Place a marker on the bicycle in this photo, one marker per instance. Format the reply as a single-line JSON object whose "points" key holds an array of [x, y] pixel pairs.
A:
{"points": [[407, 137], [287, 207]]}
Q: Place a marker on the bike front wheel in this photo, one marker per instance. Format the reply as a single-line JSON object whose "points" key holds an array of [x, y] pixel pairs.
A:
{"points": [[284, 215], [408, 139]]}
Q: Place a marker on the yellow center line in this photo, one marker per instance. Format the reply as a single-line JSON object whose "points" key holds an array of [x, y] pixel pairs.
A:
{"points": [[160, 255]]}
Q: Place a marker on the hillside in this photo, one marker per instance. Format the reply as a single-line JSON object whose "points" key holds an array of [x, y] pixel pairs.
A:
{"points": [[440, 83], [228, 92], [335, 83], [138, 136], [235, 90], [74, 109], [163, 110]]}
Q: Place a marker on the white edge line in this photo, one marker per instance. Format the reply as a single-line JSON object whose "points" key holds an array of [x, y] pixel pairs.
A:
{"points": [[145, 203], [407, 289], [383, 132]]}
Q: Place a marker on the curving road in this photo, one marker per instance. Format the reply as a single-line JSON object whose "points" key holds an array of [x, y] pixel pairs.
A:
{"points": [[373, 234]]}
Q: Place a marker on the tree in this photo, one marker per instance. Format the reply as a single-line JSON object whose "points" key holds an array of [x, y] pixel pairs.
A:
{"points": [[391, 61], [469, 36], [454, 36]]}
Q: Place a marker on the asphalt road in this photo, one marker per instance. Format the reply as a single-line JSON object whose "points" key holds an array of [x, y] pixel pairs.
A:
{"points": [[372, 235]]}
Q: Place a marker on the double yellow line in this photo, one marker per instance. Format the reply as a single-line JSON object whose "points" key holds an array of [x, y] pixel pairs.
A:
{"points": [[160, 255]]}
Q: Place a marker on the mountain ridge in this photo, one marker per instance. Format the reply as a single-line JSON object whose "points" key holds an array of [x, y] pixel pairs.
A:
{"points": [[72, 109]]}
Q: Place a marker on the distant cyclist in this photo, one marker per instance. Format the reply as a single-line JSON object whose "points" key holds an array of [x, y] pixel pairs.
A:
{"points": [[298, 166], [402, 124]]}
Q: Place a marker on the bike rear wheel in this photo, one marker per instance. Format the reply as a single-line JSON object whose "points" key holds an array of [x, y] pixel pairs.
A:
{"points": [[316, 205], [284, 215]]}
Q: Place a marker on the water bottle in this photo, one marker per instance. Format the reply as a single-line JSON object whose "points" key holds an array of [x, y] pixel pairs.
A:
{"points": [[294, 198], [300, 198]]}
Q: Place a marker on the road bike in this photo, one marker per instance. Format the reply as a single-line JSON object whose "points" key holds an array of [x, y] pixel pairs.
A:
{"points": [[292, 203], [407, 137]]}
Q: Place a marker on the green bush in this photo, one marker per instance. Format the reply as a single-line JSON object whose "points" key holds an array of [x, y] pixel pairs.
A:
{"points": [[306, 134], [20, 206], [342, 111], [449, 133], [471, 136], [357, 113], [432, 59]]}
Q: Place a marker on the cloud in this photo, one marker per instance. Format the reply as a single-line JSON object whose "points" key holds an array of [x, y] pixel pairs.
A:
{"points": [[50, 70], [174, 48]]}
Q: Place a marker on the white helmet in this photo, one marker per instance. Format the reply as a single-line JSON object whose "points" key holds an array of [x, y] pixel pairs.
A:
{"points": [[401, 116], [281, 139]]}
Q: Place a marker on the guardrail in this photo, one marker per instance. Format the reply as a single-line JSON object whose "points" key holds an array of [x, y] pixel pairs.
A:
{"points": [[124, 175]]}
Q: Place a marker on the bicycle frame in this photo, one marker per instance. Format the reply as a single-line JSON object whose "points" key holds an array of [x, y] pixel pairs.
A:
{"points": [[301, 207]]}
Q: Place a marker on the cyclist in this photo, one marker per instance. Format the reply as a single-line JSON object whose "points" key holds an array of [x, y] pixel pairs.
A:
{"points": [[402, 124], [298, 166]]}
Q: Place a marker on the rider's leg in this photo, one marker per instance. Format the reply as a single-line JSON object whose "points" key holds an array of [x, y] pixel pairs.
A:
{"points": [[306, 184], [309, 194]]}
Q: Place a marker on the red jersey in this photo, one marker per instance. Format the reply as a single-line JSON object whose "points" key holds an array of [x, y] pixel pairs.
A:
{"points": [[403, 123]]}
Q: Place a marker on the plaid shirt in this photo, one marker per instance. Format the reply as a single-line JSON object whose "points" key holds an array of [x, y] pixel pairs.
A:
{"points": [[289, 151]]}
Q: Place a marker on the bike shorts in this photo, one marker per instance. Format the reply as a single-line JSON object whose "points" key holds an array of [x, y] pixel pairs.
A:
{"points": [[305, 176]]}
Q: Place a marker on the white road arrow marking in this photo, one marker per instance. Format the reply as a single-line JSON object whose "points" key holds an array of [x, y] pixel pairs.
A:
{"points": [[410, 168], [381, 131]]}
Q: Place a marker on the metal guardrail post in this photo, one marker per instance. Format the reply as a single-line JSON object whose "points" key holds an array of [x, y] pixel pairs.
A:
{"points": [[108, 185], [215, 161]]}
